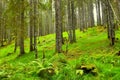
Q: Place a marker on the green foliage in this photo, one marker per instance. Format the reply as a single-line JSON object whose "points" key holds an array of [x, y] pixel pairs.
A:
{"points": [[91, 49]]}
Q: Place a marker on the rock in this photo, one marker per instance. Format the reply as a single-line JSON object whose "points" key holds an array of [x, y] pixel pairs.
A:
{"points": [[87, 69], [79, 72], [46, 72], [94, 72]]}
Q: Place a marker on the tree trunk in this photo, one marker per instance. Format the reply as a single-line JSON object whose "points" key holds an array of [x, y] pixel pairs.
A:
{"points": [[35, 27], [21, 43], [98, 12], [69, 21], [58, 26], [110, 22], [73, 21], [31, 25]]}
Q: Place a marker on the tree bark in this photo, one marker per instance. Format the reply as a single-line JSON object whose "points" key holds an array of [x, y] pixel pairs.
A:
{"points": [[35, 29], [21, 43], [31, 25], [73, 21], [58, 26], [110, 23]]}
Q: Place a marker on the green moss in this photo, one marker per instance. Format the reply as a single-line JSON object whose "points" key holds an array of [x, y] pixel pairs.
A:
{"points": [[92, 48]]}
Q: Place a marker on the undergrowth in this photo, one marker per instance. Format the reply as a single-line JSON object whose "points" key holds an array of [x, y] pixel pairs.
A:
{"points": [[91, 51]]}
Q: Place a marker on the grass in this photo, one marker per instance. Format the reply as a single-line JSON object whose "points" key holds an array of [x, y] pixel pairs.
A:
{"points": [[91, 49]]}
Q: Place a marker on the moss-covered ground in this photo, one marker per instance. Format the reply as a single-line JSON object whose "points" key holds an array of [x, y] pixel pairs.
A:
{"points": [[92, 49]]}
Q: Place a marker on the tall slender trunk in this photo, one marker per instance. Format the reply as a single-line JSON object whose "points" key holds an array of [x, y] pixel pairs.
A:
{"points": [[91, 14], [22, 28], [110, 22], [83, 16], [31, 25], [73, 21], [58, 26], [61, 18], [104, 12], [35, 27], [98, 12], [70, 22]]}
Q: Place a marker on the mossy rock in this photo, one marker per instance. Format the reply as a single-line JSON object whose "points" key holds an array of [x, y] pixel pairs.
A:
{"points": [[46, 72], [79, 72], [86, 69]]}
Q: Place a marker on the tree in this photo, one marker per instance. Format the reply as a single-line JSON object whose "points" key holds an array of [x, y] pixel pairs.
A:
{"points": [[31, 25], [1, 27], [98, 7], [35, 29], [71, 21], [110, 22], [58, 26], [21, 32]]}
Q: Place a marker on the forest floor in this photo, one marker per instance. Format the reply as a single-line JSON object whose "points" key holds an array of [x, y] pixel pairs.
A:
{"points": [[90, 58]]}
